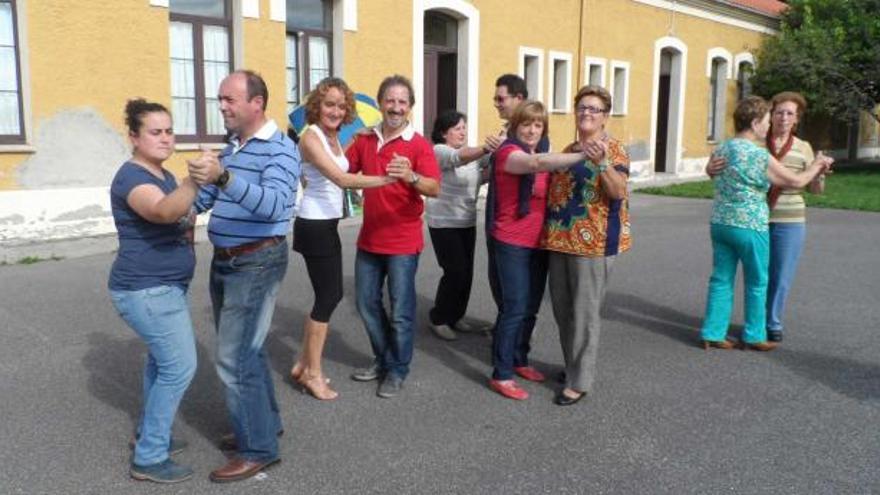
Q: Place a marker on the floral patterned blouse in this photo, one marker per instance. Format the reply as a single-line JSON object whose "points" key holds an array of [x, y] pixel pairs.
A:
{"points": [[741, 189], [581, 218]]}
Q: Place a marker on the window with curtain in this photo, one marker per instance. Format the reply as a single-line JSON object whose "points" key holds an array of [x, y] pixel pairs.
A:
{"points": [[744, 80], [11, 126], [309, 46], [201, 56], [717, 90]]}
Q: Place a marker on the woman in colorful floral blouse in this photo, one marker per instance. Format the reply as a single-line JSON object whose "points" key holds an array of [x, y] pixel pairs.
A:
{"points": [[739, 225], [586, 227]]}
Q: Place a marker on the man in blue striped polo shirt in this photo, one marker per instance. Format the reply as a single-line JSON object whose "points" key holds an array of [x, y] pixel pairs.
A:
{"points": [[252, 189]]}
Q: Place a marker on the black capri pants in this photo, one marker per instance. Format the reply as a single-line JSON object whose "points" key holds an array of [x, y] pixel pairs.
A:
{"points": [[318, 242]]}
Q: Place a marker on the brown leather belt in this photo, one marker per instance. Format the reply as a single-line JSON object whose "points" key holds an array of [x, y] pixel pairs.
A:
{"points": [[250, 247]]}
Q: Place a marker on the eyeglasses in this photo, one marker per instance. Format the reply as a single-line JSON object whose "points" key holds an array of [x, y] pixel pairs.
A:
{"points": [[589, 109], [500, 99]]}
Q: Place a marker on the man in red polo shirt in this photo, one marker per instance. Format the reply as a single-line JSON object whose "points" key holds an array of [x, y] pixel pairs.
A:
{"points": [[391, 235]]}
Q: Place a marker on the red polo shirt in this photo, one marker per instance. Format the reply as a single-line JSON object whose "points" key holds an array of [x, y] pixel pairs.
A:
{"points": [[393, 213]]}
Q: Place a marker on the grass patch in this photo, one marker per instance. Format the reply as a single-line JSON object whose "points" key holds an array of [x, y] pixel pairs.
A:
{"points": [[855, 187], [30, 260]]}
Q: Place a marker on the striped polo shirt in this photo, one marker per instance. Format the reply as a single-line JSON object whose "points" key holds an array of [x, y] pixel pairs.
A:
{"points": [[790, 207], [258, 200]]}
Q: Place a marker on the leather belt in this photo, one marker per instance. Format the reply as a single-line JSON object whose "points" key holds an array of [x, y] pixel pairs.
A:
{"points": [[250, 247]]}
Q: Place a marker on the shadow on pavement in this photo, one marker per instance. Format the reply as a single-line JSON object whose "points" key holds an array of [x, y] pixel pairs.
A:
{"points": [[283, 343], [115, 367], [855, 379], [634, 310]]}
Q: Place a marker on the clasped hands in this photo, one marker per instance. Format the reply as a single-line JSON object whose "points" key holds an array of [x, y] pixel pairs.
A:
{"points": [[206, 168], [594, 150], [400, 168]]}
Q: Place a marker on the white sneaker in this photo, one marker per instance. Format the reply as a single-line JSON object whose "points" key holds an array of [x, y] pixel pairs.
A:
{"points": [[467, 325], [443, 332]]}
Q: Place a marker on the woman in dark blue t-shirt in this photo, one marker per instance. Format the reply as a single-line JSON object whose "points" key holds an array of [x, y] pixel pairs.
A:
{"points": [[149, 280]]}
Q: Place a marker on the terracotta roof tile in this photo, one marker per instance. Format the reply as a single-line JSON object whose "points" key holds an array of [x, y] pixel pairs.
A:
{"points": [[771, 7]]}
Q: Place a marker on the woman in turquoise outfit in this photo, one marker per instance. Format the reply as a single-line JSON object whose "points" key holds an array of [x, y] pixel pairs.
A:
{"points": [[739, 226]]}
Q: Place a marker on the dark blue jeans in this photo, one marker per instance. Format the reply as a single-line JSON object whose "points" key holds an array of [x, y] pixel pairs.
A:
{"points": [[391, 338], [522, 277], [243, 291]]}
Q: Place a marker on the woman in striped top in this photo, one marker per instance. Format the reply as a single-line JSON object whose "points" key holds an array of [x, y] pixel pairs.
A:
{"points": [[787, 207]]}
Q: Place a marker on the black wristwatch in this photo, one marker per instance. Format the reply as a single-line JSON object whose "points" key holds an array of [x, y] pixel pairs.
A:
{"points": [[223, 179]]}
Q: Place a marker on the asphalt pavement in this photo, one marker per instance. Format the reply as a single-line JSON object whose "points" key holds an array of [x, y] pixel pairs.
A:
{"points": [[665, 417]]}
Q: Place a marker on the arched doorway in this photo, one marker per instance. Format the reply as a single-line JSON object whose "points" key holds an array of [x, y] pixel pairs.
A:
{"points": [[669, 84], [466, 82], [441, 66]]}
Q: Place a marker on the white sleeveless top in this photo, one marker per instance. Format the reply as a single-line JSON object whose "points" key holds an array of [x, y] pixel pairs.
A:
{"points": [[322, 199]]}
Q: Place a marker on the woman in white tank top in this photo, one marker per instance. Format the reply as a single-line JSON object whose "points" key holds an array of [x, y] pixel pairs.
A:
{"points": [[325, 174]]}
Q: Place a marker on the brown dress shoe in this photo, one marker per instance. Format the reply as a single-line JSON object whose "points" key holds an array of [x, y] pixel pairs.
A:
{"points": [[238, 469], [758, 346], [717, 344]]}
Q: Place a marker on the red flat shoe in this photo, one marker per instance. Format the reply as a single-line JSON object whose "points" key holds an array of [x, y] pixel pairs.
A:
{"points": [[530, 373], [509, 389]]}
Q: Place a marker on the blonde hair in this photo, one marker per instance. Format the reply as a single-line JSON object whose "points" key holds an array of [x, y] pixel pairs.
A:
{"points": [[527, 112]]}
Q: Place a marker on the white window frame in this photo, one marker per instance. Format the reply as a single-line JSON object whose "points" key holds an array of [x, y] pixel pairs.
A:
{"points": [[589, 63], [616, 107], [565, 97], [526, 51]]}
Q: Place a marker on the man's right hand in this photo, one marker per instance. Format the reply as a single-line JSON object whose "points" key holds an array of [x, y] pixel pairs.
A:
{"points": [[494, 141], [205, 169]]}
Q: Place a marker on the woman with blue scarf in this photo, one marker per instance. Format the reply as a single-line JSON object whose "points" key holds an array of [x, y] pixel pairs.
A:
{"points": [[515, 217]]}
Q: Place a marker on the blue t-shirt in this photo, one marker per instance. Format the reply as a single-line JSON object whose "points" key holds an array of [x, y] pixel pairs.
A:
{"points": [[150, 254]]}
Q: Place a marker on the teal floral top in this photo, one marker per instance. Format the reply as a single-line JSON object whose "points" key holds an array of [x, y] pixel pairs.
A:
{"points": [[741, 189]]}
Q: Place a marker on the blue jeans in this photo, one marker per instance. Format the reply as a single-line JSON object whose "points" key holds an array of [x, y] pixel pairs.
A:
{"points": [[243, 291], [391, 338], [786, 244], [522, 277], [160, 316], [730, 245]]}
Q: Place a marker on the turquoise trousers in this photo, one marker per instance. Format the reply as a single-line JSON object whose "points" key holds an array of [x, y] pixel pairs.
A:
{"points": [[730, 245]]}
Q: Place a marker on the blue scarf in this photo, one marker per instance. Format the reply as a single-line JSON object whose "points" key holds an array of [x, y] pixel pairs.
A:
{"points": [[526, 183]]}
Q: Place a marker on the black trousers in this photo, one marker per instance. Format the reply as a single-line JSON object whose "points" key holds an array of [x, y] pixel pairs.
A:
{"points": [[454, 249]]}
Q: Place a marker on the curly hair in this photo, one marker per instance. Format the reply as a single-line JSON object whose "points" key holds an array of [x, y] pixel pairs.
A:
{"points": [[316, 98], [749, 109]]}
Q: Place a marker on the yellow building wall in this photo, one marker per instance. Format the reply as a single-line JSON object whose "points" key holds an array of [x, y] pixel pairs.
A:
{"points": [[84, 55], [381, 46], [99, 54], [103, 52], [642, 25], [505, 27]]}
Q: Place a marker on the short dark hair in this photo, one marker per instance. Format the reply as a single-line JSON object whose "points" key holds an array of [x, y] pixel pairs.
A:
{"points": [[136, 109], [395, 80], [516, 86], [750, 108], [598, 92], [256, 86], [445, 121]]}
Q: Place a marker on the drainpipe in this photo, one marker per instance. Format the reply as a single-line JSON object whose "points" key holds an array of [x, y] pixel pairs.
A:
{"points": [[580, 55]]}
